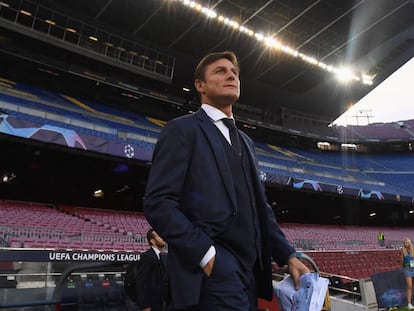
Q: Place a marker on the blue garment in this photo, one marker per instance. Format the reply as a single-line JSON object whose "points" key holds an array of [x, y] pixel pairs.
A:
{"points": [[408, 271], [407, 260]]}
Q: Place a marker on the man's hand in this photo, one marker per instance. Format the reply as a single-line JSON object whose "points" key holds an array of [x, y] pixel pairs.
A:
{"points": [[208, 268], [296, 269]]}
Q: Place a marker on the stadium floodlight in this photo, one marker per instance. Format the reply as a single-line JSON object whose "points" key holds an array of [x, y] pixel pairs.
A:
{"points": [[98, 193], [348, 146], [271, 42], [7, 177]]}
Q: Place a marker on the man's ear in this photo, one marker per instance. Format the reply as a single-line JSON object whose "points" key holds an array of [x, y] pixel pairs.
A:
{"points": [[198, 84]]}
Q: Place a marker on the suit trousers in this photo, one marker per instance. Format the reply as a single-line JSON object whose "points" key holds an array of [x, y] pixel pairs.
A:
{"points": [[229, 287]]}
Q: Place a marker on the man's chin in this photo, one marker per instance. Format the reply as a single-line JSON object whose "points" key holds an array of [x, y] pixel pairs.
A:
{"points": [[226, 100], [232, 97]]}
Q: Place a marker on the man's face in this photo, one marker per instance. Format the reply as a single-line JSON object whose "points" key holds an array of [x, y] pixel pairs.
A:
{"points": [[158, 241], [222, 84]]}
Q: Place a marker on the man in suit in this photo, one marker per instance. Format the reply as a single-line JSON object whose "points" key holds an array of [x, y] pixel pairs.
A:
{"points": [[150, 281], [205, 197]]}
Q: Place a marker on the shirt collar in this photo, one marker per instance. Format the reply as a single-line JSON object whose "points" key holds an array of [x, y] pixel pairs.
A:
{"points": [[214, 113], [157, 251]]}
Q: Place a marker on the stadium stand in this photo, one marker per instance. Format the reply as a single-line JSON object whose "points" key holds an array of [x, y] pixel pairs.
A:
{"points": [[30, 225], [353, 170], [347, 253], [381, 132]]}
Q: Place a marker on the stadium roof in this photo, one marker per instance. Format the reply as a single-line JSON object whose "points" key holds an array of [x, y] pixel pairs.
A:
{"points": [[372, 36]]}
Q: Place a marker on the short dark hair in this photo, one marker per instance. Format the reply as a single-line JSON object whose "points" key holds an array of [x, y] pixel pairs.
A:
{"points": [[200, 71]]}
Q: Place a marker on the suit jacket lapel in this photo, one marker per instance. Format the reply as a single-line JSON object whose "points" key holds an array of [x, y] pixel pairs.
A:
{"points": [[160, 264], [223, 166]]}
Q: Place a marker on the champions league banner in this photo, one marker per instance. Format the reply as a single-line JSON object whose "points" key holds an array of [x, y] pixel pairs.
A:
{"points": [[32, 255], [390, 288], [138, 149]]}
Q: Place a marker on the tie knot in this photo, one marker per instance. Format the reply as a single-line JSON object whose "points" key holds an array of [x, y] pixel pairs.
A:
{"points": [[234, 135], [229, 123]]}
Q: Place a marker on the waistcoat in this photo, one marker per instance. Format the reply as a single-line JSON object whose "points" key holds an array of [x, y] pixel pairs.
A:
{"points": [[242, 237]]}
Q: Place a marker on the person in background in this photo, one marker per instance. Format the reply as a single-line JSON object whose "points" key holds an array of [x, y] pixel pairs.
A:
{"points": [[205, 197], [381, 238], [408, 264], [150, 282]]}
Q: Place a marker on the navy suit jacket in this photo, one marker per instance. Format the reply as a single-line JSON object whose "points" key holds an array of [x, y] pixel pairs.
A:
{"points": [[150, 281], [190, 198]]}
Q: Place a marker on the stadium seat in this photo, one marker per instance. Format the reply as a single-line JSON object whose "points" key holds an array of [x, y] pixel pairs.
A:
{"points": [[114, 298], [90, 297]]}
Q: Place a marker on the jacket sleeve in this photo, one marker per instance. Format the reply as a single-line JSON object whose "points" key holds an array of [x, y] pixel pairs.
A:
{"points": [[281, 249], [163, 208]]}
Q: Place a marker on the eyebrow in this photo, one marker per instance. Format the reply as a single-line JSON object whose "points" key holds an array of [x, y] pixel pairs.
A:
{"points": [[233, 68]]}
